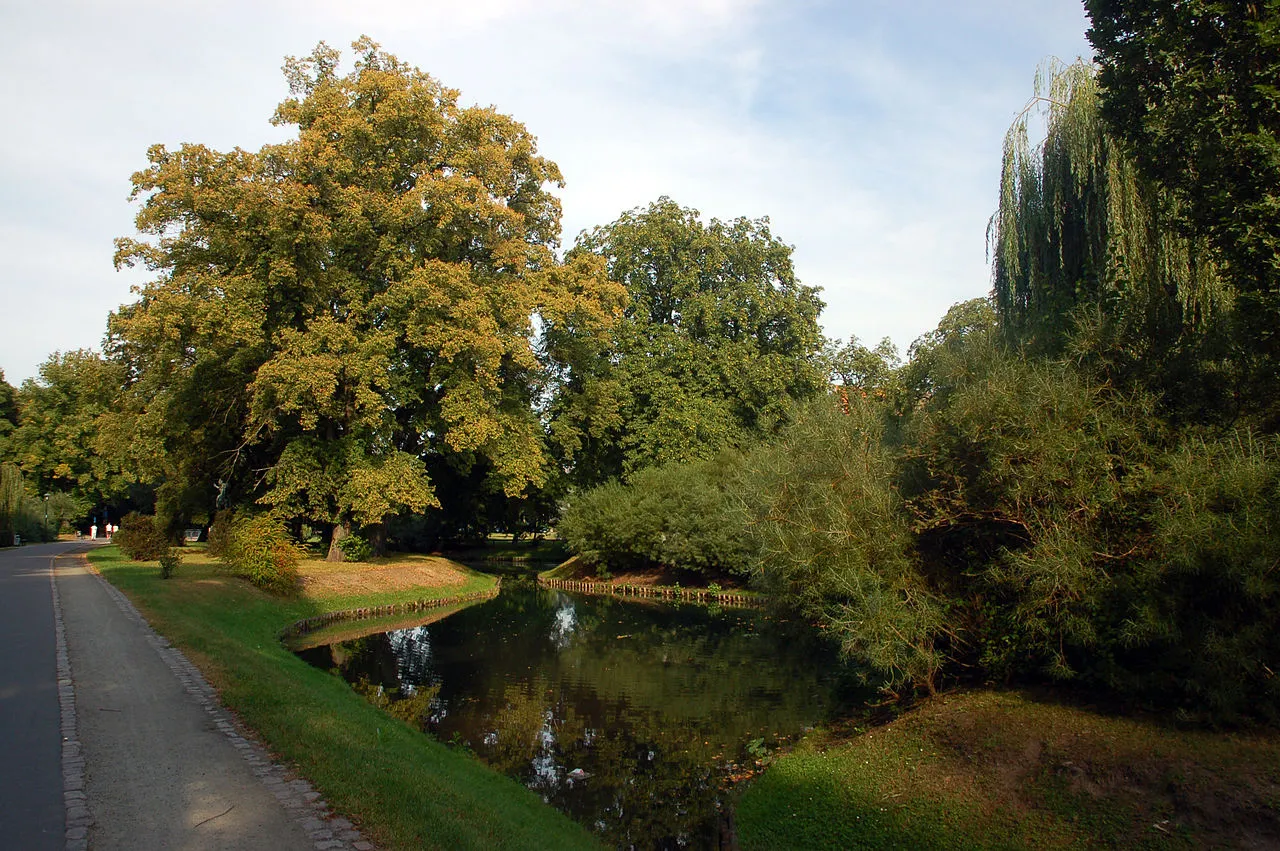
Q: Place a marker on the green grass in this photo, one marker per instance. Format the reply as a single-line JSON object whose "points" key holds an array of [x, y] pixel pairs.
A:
{"points": [[401, 787], [1001, 770]]}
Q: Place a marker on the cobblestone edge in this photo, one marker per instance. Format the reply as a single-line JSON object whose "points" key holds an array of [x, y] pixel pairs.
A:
{"points": [[78, 818], [327, 831]]}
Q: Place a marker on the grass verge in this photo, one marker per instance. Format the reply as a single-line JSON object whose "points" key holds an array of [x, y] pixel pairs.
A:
{"points": [[402, 788], [1004, 770]]}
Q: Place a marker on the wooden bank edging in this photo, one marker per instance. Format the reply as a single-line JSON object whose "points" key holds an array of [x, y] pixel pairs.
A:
{"points": [[315, 622], [734, 599]]}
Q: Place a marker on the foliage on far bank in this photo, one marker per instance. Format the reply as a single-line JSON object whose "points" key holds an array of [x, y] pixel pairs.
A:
{"points": [[673, 516], [717, 340], [1009, 519]]}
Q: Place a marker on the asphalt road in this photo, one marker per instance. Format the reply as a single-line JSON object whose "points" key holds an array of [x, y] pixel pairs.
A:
{"points": [[31, 804], [143, 756]]}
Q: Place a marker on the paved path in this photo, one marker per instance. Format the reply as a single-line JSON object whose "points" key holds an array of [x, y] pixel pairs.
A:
{"points": [[149, 759]]}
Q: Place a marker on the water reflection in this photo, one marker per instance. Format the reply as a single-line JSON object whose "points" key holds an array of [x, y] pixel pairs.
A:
{"points": [[631, 717]]}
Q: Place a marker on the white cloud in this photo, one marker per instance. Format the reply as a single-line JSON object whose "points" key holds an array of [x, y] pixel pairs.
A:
{"points": [[868, 133]]}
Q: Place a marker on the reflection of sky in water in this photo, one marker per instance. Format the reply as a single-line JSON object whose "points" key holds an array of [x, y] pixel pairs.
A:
{"points": [[623, 715], [545, 768], [565, 623], [412, 649]]}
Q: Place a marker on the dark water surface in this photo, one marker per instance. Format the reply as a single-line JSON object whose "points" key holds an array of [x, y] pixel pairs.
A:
{"points": [[631, 717]]}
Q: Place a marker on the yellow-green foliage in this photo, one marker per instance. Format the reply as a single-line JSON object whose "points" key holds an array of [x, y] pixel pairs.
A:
{"points": [[261, 551]]}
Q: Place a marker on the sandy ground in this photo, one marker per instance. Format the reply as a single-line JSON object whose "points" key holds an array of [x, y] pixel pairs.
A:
{"points": [[346, 578]]}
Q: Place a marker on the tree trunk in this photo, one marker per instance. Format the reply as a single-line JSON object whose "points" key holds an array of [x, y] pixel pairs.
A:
{"points": [[378, 539], [340, 531]]}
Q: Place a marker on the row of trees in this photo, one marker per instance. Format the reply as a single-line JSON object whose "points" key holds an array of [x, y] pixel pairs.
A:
{"points": [[369, 327]]}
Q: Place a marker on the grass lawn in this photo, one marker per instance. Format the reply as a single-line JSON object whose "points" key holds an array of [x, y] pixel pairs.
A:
{"points": [[401, 787], [1005, 770]]}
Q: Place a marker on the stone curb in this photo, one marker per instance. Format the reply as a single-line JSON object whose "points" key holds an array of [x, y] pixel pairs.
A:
{"points": [[78, 818], [328, 831]]}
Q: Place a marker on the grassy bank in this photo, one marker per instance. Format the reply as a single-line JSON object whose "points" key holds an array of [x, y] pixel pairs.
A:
{"points": [[988, 770], [402, 788]]}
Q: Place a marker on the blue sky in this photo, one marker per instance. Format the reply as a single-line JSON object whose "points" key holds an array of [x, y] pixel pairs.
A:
{"points": [[868, 131]]}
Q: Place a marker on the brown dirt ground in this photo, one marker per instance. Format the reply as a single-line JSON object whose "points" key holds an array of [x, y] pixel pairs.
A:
{"points": [[1026, 751], [320, 578], [649, 577]]}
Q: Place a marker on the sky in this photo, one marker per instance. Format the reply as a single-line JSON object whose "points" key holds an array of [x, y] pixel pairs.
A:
{"points": [[867, 131]]}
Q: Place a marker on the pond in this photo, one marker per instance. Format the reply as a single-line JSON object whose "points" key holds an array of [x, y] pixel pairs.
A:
{"points": [[633, 718]]}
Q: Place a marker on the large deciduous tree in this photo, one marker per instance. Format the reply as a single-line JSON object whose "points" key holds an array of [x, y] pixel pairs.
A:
{"points": [[58, 442], [1192, 89], [717, 341], [332, 312], [8, 414]]}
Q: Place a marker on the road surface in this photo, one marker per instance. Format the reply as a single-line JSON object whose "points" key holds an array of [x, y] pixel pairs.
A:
{"points": [[134, 751]]}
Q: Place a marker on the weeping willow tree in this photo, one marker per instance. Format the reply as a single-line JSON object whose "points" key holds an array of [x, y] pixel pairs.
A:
{"points": [[1081, 244]]}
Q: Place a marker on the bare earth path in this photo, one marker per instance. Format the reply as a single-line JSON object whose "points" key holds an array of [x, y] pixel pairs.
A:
{"points": [[122, 744]]}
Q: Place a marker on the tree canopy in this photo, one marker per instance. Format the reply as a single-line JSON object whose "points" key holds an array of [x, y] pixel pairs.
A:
{"points": [[331, 312], [58, 443], [1193, 89], [717, 340]]}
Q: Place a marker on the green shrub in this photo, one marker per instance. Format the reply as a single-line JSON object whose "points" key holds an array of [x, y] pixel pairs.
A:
{"points": [[220, 532], [1196, 617], [169, 562], [833, 540], [676, 515], [139, 539], [260, 549], [355, 548]]}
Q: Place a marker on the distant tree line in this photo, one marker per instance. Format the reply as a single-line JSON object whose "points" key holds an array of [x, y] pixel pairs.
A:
{"points": [[368, 331]]}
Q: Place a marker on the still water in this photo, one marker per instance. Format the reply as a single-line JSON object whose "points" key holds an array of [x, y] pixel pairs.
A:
{"points": [[632, 717]]}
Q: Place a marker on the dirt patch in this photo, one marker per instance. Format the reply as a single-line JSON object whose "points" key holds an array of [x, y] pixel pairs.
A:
{"points": [[325, 579], [1136, 778], [575, 569]]}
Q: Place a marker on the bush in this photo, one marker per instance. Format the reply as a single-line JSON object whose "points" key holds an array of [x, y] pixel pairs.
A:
{"points": [[355, 548], [260, 550], [139, 539], [1197, 617], [833, 539], [169, 562], [676, 515], [220, 532]]}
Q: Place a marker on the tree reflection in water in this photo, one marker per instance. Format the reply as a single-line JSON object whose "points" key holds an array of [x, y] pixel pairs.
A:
{"points": [[630, 717]]}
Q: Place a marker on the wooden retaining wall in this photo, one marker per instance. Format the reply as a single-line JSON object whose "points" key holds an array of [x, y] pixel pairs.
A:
{"points": [[734, 599], [319, 621]]}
